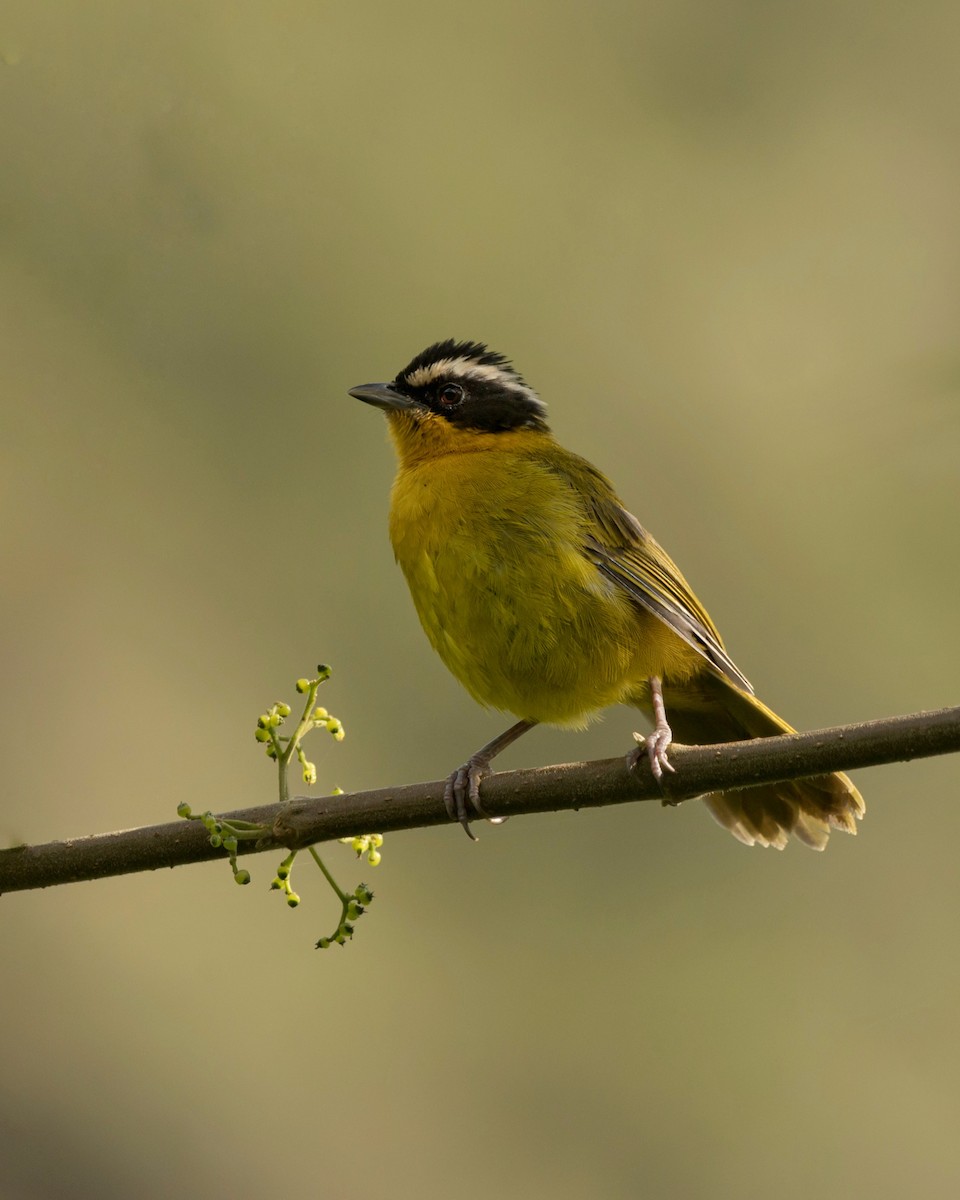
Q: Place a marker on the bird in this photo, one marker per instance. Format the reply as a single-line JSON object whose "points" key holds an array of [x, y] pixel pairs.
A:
{"points": [[547, 599]]}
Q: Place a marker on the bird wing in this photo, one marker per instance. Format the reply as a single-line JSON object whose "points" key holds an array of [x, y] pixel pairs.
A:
{"points": [[624, 552]]}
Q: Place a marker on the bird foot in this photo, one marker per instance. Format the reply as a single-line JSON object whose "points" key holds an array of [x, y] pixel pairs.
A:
{"points": [[461, 794], [654, 748]]}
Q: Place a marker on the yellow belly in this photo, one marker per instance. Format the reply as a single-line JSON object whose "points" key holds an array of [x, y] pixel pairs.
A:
{"points": [[492, 552]]}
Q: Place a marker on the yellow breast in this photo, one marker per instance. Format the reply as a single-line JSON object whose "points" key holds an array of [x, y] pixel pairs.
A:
{"points": [[491, 543]]}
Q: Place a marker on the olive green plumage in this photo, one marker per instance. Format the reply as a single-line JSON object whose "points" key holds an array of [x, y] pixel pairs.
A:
{"points": [[547, 599]]}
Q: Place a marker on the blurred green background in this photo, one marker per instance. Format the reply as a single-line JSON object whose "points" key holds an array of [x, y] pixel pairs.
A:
{"points": [[722, 241]]}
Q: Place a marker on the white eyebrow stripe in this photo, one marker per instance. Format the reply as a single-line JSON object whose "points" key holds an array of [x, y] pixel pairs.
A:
{"points": [[468, 368], [463, 368]]}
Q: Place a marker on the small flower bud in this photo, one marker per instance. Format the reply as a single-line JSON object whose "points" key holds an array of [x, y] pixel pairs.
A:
{"points": [[242, 877], [303, 685]]}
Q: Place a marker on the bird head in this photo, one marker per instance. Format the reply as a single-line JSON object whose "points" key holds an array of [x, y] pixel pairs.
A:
{"points": [[455, 396]]}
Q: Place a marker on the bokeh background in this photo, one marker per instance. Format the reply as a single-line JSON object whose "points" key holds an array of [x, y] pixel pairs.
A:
{"points": [[722, 241]]}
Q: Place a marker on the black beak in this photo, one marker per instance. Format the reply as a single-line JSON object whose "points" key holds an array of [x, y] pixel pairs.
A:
{"points": [[382, 395]]}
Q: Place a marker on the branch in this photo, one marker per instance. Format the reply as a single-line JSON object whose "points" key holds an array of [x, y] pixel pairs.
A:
{"points": [[307, 820]]}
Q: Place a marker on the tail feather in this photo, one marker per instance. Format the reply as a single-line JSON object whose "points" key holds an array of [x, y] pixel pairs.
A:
{"points": [[714, 710]]}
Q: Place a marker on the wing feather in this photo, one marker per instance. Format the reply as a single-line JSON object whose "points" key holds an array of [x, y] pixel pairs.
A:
{"points": [[625, 553]]}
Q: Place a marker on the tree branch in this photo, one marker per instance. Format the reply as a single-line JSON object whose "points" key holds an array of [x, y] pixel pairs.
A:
{"points": [[307, 820]]}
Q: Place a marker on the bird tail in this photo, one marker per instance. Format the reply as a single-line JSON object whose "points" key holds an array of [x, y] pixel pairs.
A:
{"points": [[714, 710]]}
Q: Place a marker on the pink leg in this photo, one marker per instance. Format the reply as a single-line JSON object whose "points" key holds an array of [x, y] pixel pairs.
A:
{"points": [[655, 745], [462, 792]]}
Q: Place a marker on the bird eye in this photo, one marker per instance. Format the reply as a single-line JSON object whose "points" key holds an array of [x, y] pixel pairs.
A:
{"points": [[450, 395]]}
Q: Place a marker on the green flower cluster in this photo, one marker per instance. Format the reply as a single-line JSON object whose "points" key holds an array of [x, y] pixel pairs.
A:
{"points": [[282, 748]]}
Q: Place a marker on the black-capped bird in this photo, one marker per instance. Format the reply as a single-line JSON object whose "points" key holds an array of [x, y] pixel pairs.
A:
{"points": [[548, 600]]}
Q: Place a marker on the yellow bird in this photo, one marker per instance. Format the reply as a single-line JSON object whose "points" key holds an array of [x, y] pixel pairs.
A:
{"points": [[548, 600]]}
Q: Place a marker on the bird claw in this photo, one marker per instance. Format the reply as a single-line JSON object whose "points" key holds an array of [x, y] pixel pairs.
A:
{"points": [[657, 745], [654, 748], [461, 795]]}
